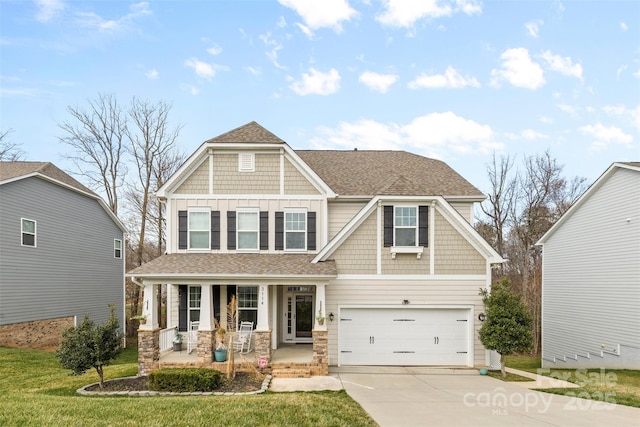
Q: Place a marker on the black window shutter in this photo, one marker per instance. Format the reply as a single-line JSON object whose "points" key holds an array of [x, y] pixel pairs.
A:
{"points": [[388, 226], [182, 307], [279, 231], [423, 225], [264, 230], [215, 229], [231, 230], [182, 229], [311, 231]]}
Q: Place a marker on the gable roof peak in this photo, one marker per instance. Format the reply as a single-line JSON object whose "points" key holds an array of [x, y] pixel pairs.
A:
{"points": [[252, 132]]}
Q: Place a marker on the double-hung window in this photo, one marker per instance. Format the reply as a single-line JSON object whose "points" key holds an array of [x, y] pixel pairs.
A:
{"points": [[195, 299], [199, 229], [405, 226], [247, 304], [28, 232], [248, 229], [295, 229], [117, 248]]}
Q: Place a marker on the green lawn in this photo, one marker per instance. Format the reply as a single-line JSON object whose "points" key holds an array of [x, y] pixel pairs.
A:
{"points": [[612, 385], [35, 390]]}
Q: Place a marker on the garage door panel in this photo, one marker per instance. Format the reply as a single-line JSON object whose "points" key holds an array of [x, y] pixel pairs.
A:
{"points": [[398, 336]]}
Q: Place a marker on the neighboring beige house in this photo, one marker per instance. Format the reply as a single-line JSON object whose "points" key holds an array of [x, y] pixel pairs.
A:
{"points": [[369, 257], [591, 277]]}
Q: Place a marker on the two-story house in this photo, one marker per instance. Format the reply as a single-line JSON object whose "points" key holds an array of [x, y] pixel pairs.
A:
{"points": [[61, 255], [377, 242]]}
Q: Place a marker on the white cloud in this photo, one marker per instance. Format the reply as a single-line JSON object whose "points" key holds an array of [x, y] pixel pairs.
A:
{"points": [[193, 90], [433, 134], [215, 50], [95, 21], [637, 74], [621, 69], [201, 68], [152, 74], [322, 14], [563, 65], [306, 30], [545, 119], [378, 82], [256, 71], [606, 136], [450, 79], [403, 13], [282, 23], [274, 47], [533, 27], [623, 26], [48, 9], [317, 83], [519, 70]]}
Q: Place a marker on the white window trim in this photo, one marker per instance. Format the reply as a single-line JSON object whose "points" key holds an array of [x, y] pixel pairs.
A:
{"points": [[246, 162], [239, 309], [397, 227], [189, 308], [247, 210], [116, 248], [35, 233], [189, 211], [306, 228]]}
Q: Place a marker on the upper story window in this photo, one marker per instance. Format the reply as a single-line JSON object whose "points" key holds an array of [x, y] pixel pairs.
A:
{"points": [[199, 229], [246, 162], [117, 248], [28, 232], [295, 230], [248, 229], [405, 226]]}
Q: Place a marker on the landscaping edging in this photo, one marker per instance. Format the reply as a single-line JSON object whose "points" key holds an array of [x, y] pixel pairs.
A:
{"points": [[84, 392]]}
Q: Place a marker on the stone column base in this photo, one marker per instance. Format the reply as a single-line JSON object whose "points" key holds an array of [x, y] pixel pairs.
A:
{"points": [[320, 363], [263, 345], [205, 347], [148, 350]]}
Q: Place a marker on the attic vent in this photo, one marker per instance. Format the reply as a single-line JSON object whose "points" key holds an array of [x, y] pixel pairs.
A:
{"points": [[246, 162]]}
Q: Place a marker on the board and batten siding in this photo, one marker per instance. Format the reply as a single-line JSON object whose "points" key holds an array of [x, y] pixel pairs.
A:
{"points": [[72, 271], [591, 275], [393, 291]]}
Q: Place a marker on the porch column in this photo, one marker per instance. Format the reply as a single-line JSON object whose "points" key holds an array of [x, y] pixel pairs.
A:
{"points": [[263, 308], [206, 328], [169, 313], [320, 308], [150, 307]]}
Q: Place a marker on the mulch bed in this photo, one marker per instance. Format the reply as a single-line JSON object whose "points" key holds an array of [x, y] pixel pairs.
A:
{"points": [[243, 382]]}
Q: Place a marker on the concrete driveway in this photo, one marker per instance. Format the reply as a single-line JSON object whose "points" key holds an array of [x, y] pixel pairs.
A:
{"points": [[435, 397]]}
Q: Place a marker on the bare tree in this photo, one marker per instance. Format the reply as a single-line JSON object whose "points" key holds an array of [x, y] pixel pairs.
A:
{"points": [[519, 211], [98, 136], [9, 151]]}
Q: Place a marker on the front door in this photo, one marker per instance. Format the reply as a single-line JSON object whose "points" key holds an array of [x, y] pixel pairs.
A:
{"points": [[298, 322]]}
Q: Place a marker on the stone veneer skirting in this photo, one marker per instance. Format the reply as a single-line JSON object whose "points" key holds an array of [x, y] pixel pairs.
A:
{"points": [[320, 363], [43, 334]]}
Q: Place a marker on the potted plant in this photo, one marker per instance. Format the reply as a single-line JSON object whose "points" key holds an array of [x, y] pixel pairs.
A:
{"points": [[141, 317], [177, 342], [320, 318], [220, 352]]}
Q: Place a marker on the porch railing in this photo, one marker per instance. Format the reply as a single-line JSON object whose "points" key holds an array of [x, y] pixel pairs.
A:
{"points": [[166, 338]]}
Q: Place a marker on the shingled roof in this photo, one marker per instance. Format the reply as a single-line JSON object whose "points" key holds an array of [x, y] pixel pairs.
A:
{"points": [[372, 173], [10, 170], [251, 132], [235, 265]]}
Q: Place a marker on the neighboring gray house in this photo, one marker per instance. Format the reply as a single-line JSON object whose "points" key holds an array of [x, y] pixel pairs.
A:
{"points": [[61, 255], [591, 277]]}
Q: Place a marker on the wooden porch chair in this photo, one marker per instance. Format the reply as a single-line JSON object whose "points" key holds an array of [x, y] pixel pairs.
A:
{"points": [[242, 342], [192, 336]]}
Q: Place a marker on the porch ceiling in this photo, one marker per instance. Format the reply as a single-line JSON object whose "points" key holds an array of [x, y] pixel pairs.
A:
{"points": [[235, 265]]}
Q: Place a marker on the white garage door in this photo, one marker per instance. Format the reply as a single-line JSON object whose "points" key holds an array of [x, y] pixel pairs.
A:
{"points": [[403, 336]]}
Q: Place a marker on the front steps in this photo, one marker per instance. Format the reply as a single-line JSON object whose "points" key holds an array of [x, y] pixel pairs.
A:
{"points": [[290, 370]]}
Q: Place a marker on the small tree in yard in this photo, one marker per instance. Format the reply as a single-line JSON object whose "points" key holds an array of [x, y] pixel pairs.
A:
{"points": [[507, 328], [89, 345]]}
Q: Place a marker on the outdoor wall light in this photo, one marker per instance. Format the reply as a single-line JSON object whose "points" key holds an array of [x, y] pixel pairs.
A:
{"points": [[405, 301], [331, 316], [481, 317]]}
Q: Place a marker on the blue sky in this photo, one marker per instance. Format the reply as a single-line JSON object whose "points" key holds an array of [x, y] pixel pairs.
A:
{"points": [[455, 80]]}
